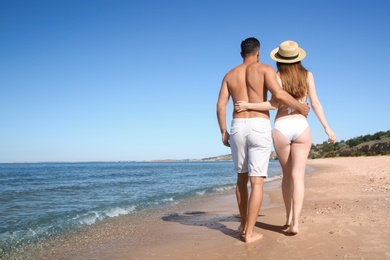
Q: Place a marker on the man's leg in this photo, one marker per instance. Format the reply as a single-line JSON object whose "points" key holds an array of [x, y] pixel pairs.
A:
{"points": [[259, 150], [242, 199], [255, 200], [239, 154]]}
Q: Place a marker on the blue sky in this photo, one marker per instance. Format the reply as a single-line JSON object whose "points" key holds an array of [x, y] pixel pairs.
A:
{"points": [[139, 80]]}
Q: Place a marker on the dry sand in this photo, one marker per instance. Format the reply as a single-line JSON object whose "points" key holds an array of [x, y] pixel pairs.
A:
{"points": [[345, 216]]}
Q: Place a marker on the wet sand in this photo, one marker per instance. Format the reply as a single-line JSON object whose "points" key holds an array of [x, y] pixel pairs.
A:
{"points": [[345, 216]]}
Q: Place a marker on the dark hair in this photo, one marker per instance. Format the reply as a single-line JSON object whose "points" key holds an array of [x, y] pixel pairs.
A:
{"points": [[249, 46]]}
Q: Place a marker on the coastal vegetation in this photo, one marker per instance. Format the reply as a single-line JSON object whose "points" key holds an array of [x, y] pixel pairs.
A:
{"points": [[365, 145]]}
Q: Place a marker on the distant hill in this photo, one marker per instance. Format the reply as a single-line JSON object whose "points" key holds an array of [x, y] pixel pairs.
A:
{"points": [[226, 157], [367, 145], [376, 147]]}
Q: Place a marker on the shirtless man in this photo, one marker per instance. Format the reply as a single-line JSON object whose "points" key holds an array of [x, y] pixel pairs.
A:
{"points": [[250, 136]]}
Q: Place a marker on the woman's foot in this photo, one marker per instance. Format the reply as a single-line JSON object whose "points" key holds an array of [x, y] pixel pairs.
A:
{"points": [[241, 231], [293, 230], [288, 222]]}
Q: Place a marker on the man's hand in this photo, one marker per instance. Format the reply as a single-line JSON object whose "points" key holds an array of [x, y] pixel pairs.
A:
{"points": [[304, 109], [225, 139]]}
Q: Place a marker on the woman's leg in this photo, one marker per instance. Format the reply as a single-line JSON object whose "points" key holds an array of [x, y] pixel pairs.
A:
{"points": [[300, 149], [282, 148]]}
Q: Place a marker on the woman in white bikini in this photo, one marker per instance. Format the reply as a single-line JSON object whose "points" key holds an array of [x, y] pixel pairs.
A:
{"points": [[291, 135]]}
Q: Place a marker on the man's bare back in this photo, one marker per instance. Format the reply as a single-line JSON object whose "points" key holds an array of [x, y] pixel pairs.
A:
{"points": [[256, 78], [235, 81]]}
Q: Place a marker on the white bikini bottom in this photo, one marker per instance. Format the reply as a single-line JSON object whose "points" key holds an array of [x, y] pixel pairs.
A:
{"points": [[291, 127]]}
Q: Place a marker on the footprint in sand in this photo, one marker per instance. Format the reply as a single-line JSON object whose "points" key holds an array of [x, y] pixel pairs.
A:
{"points": [[285, 242]]}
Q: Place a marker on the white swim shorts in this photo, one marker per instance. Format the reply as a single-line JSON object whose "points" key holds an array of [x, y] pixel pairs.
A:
{"points": [[250, 142]]}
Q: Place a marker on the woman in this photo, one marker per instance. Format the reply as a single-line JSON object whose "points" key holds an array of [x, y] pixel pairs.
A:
{"points": [[291, 135]]}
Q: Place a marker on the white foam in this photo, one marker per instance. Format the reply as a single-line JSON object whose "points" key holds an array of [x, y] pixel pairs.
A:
{"points": [[89, 220], [224, 188], [168, 199], [119, 211], [201, 193]]}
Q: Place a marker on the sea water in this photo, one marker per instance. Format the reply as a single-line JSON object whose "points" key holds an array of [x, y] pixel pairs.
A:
{"points": [[41, 200]]}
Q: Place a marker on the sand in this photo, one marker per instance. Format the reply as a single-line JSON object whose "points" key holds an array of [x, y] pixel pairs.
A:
{"points": [[345, 216]]}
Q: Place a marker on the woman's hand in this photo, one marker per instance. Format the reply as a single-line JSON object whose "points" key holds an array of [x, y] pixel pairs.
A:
{"points": [[241, 106], [331, 135]]}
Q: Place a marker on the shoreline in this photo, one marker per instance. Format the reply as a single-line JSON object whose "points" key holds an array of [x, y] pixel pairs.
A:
{"points": [[345, 215]]}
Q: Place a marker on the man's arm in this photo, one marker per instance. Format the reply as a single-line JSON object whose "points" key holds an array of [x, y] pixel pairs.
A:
{"points": [[223, 100], [281, 95]]}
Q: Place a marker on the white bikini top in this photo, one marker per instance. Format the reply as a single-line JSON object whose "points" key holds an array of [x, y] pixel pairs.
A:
{"points": [[290, 109]]}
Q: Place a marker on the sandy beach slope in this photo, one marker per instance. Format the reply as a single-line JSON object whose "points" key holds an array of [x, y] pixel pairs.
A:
{"points": [[345, 216]]}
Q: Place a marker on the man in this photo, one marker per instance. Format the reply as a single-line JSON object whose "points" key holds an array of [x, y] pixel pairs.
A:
{"points": [[250, 139]]}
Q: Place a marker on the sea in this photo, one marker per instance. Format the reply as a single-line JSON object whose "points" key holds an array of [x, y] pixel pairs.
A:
{"points": [[42, 200]]}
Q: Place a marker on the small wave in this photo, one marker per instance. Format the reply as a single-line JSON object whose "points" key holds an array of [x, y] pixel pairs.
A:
{"points": [[92, 217], [119, 211], [168, 199], [88, 218], [158, 202], [272, 178], [201, 193], [215, 189], [224, 188]]}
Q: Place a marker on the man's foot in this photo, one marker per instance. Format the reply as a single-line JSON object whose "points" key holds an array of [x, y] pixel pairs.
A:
{"points": [[254, 237]]}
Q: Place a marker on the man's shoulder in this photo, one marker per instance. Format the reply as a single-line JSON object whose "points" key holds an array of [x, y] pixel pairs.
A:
{"points": [[260, 65], [261, 69], [238, 68], [234, 71]]}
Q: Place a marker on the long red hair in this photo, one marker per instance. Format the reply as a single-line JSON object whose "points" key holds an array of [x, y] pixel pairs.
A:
{"points": [[294, 78]]}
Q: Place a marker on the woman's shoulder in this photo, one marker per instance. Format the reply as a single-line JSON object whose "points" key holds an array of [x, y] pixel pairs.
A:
{"points": [[279, 79], [310, 76]]}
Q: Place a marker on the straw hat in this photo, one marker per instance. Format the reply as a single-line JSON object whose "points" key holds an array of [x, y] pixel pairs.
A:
{"points": [[288, 52]]}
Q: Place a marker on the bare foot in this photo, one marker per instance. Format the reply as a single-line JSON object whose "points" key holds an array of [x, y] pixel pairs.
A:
{"points": [[241, 231], [254, 237], [292, 230], [288, 222]]}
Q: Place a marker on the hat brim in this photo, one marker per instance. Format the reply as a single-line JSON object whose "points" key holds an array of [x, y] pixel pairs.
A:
{"points": [[276, 57]]}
